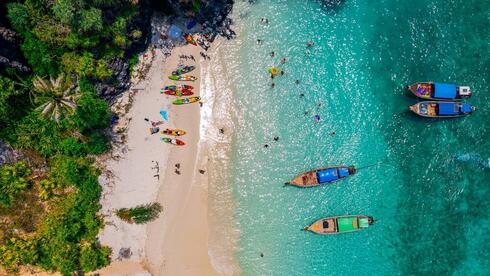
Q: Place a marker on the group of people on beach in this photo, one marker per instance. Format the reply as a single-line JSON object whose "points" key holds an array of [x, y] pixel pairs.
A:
{"points": [[187, 57]]}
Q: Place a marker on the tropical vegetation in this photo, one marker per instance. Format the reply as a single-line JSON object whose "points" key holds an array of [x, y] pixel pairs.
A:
{"points": [[140, 214], [54, 117]]}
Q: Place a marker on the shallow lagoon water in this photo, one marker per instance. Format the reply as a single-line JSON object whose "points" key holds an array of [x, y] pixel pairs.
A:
{"points": [[430, 203]]}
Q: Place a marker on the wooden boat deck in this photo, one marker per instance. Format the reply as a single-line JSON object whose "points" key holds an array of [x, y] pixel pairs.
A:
{"points": [[432, 109]]}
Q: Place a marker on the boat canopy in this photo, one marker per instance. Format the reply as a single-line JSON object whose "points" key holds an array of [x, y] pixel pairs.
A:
{"points": [[466, 108], [327, 175], [363, 222], [347, 224], [343, 172], [447, 109], [444, 90]]}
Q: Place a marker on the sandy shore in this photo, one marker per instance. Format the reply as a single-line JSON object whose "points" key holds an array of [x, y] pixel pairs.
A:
{"points": [[177, 242]]}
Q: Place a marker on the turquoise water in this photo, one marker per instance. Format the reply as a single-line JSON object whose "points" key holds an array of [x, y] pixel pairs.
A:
{"points": [[430, 194]]}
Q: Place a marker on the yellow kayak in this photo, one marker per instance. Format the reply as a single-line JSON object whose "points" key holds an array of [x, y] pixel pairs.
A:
{"points": [[174, 132], [186, 100]]}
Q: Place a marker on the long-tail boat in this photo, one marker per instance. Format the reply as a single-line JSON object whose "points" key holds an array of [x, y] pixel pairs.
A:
{"points": [[434, 109], [340, 224], [439, 91], [322, 176]]}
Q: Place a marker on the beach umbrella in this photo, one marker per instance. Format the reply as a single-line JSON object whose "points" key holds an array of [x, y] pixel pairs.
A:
{"points": [[174, 32], [164, 114]]}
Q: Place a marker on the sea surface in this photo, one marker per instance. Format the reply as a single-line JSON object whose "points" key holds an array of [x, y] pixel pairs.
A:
{"points": [[429, 188]]}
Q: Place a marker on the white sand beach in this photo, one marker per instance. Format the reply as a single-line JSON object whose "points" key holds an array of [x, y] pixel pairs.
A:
{"points": [[177, 242]]}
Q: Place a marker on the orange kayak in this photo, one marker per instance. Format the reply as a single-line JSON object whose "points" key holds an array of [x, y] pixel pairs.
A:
{"points": [[174, 132]]}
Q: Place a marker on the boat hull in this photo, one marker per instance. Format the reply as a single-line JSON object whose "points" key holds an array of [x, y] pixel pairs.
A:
{"points": [[426, 91], [429, 109], [330, 225], [309, 179]]}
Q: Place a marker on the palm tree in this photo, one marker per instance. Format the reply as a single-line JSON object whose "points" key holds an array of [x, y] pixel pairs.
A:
{"points": [[56, 97]]}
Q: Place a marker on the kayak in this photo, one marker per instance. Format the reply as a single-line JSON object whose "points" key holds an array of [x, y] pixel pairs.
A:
{"points": [[172, 141], [183, 70], [178, 93], [180, 86], [182, 78], [186, 100], [174, 132], [190, 39]]}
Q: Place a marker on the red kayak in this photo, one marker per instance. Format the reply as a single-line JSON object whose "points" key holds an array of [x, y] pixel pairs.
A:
{"points": [[176, 142], [179, 93]]}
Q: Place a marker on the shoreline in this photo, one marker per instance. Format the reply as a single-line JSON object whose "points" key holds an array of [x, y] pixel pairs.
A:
{"points": [[183, 197]]}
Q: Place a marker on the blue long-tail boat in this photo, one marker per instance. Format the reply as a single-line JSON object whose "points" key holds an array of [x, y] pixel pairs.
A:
{"points": [[322, 176], [435, 109], [439, 91]]}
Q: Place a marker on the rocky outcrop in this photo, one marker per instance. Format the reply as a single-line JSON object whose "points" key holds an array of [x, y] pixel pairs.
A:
{"points": [[120, 79], [8, 154], [10, 54]]}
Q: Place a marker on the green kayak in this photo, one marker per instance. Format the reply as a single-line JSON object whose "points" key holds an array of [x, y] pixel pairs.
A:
{"points": [[186, 100], [182, 78]]}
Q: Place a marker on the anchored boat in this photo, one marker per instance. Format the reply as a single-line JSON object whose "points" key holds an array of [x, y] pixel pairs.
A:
{"points": [[322, 176], [435, 109], [340, 224], [439, 91]]}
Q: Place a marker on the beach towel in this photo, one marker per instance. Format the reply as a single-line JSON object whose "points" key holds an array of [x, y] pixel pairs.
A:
{"points": [[164, 114]]}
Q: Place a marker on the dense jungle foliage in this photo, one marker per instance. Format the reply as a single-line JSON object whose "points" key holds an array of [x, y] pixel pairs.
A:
{"points": [[49, 205]]}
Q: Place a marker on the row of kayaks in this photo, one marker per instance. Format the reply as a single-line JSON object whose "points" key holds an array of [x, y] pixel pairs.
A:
{"points": [[178, 90], [173, 132], [178, 74], [441, 100]]}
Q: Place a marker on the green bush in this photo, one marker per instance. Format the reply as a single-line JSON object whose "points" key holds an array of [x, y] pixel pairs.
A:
{"points": [[37, 133], [132, 62], [93, 257], [18, 14], [140, 214], [90, 20], [13, 180], [40, 56], [97, 143], [16, 252], [92, 113]]}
